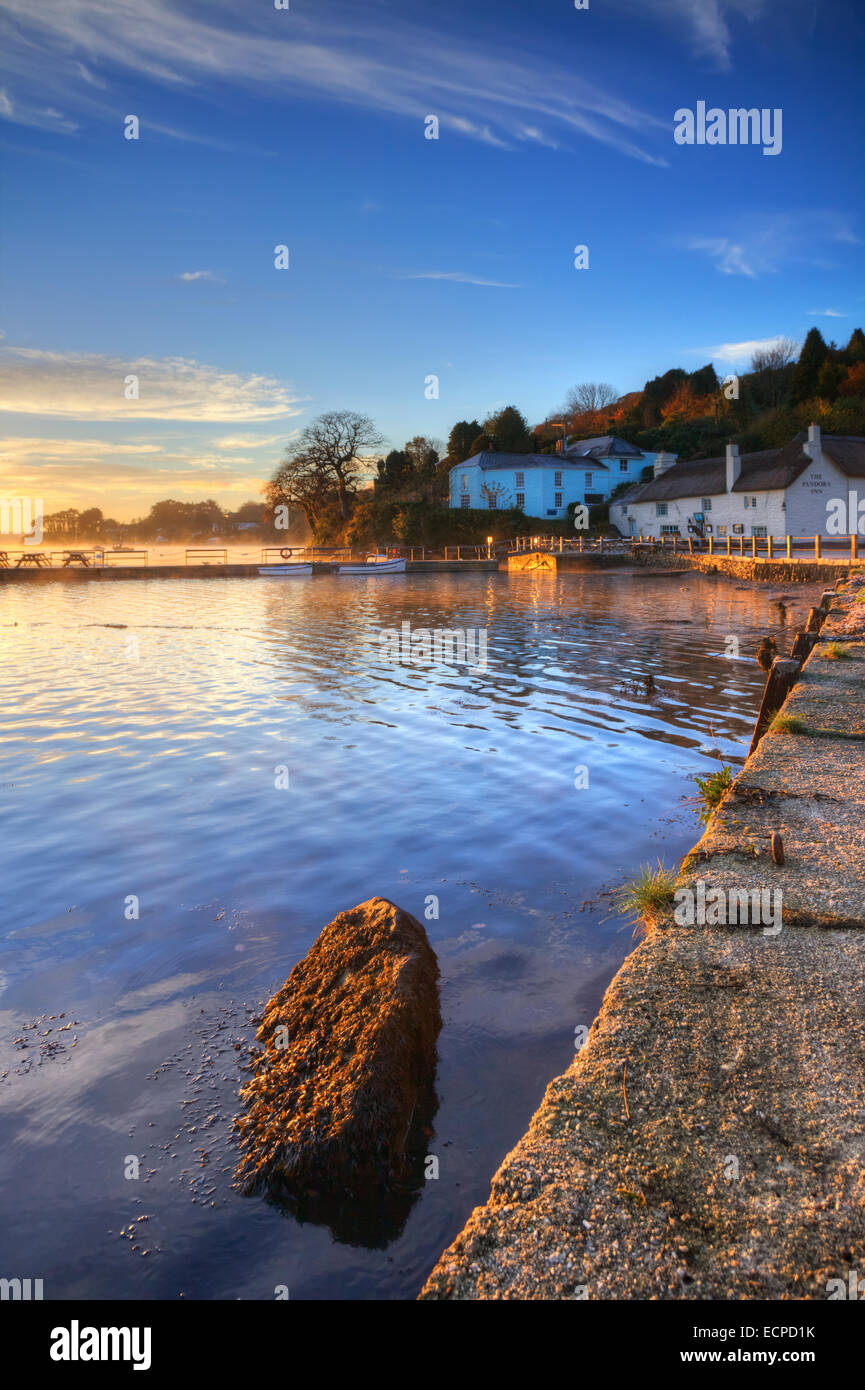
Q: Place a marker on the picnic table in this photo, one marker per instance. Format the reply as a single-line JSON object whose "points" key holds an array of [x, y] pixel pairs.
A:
{"points": [[4, 559], [75, 557], [33, 557]]}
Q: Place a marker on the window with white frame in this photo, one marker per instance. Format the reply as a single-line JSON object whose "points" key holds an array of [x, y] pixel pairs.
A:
{"points": [[493, 501], [623, 465], [465, 481], [521, 499], [519, 480], [558, 501], [750, 502], [660, 509], [589, 480], [758, 531], [669, 530], [706, 503], [557, 480], [465, 500]]}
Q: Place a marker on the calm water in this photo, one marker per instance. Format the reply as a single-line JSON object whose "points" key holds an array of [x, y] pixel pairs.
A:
{"points": [[142, 724]]}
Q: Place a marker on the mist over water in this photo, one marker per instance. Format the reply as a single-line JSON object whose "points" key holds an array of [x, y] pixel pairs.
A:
{"points": [[142, 727]]}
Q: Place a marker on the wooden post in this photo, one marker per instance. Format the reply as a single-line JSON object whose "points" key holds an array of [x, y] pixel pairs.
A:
{"points": [[769, 547], [729, 545], [711, 545], [789, 547], [816, 547], [802, 645], [602, 545], [782, 677], [581, 544], [815, 620], [853, 546], [754, 547], [742, 544], [690, 545], [826, 599]]}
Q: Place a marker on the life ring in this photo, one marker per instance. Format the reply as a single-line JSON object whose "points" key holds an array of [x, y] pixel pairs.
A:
{"points": [[286, 554]]}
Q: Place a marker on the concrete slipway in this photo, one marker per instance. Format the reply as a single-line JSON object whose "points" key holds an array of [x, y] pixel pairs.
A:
{"points": [[709, 1139]]}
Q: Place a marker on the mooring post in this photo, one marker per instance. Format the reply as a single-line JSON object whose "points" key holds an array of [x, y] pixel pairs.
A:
{"points": [[782, 677], [802, 645], [815, 619]]}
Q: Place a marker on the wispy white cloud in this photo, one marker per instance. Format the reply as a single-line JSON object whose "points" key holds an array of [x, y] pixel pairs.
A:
{"points": [[360, 56], [706, 26], [730, 257], [458, 277], [190, 275], [766, 243], [43, 117], [825, 314], [91, 386], [737, 353]]}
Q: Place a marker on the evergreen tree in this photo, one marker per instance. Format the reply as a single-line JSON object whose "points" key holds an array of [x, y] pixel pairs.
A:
{"points": [[807, 370], [509, 431], [856, 346], [461, 439]]}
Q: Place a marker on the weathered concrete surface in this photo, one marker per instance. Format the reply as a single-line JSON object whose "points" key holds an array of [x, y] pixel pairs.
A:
{"points": [[349, 1055], [708, 1140]]}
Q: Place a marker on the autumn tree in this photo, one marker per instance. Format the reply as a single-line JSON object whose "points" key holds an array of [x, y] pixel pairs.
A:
{"points": [[422, 454]]}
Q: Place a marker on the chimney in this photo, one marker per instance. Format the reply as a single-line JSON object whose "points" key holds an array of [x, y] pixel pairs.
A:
{"points": [[734, 465], [663, 462], [814, 446]]}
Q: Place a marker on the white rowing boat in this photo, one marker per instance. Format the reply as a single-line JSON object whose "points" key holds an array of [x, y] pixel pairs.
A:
{"points": [[375, 565], [284, 571]]}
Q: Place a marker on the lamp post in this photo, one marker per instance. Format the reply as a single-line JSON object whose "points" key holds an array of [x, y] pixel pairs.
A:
{"points": [[489, 547]]}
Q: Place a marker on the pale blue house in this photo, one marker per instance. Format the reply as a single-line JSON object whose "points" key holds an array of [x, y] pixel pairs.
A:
{"points": [[609, 461], [542, 485]]}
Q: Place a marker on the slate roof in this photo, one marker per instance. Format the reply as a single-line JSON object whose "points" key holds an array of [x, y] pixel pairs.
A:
{"points": [[490, 458], [767, 470], [604, 446]]}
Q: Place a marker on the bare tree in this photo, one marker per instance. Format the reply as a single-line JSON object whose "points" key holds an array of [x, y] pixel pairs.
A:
{"points": [[590, 395], [771, 359], [330, 450]]}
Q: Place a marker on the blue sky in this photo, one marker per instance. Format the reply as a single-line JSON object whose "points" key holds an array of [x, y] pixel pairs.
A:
{"points": [[408, 256]]}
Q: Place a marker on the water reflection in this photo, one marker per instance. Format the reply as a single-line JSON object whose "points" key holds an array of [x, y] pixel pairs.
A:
{"points": [[141, 726]]}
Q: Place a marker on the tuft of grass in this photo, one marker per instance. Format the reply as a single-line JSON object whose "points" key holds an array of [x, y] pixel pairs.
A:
{"points": [[834, 651], [712, 789], [645, 896], [788, 724]]}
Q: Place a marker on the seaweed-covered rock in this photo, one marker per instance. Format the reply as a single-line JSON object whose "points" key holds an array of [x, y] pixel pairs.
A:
{"points": [[349, 1058]]}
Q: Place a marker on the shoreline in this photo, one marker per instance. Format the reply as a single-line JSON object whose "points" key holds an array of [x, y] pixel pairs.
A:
{"points": [[706, 1141]]}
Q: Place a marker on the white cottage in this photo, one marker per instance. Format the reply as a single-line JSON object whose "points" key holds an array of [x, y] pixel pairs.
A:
{"points": [[800, 490]]}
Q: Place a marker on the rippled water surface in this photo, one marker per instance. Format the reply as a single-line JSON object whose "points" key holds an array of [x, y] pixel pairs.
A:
{"points": [[143, 727]]}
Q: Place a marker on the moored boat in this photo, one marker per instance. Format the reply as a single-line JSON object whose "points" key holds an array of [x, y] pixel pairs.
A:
{"points": [[284, 571], [375, 564]]}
